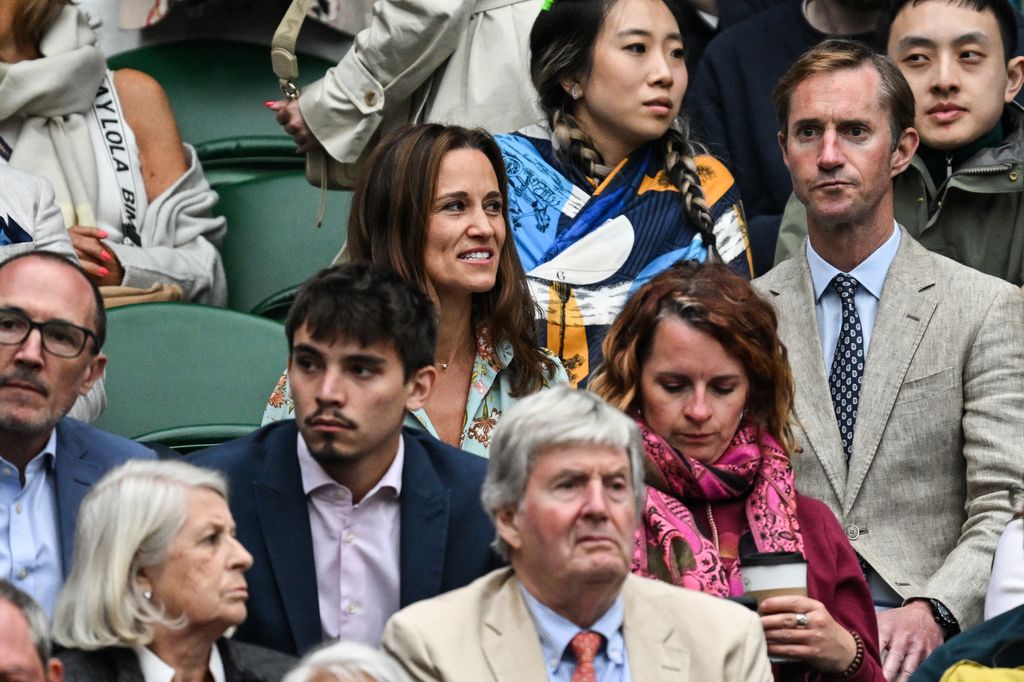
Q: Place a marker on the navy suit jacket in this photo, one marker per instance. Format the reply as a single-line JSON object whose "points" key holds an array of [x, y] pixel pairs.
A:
{"points": [[84, 454], [444, 540]]}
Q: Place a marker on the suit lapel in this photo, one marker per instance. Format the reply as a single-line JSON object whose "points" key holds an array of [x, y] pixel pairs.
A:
{"points": [[794, 299], [284, 522], [425, 507], [74, 473], [904, 311], [509, 639], [654, 650]]}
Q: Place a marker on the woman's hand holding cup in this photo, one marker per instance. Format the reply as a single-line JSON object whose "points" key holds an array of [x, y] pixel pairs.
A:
{"points": [[817, 639]]}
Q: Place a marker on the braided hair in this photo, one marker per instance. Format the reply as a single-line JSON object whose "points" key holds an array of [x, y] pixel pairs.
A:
{"points": [[561, 49]]}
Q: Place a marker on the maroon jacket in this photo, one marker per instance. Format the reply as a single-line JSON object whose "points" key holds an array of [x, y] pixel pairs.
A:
{"points": [[834, 578]]}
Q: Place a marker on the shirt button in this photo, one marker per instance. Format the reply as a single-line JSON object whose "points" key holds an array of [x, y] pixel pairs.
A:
{"points": [[8, 471], [853, 531], [370, 99], [353, 609], [17, 508], [349, 537], [22, 574]]}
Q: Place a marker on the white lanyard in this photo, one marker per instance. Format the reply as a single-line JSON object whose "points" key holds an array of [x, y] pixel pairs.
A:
{"points": [[111, 120]]}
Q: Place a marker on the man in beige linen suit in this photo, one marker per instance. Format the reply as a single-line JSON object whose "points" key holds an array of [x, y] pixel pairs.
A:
{"points": [[909, 367], [564, 486]]}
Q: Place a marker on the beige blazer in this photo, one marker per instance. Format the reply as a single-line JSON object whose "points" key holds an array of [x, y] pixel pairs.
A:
{"points": [[484, 632], [938, 439]]}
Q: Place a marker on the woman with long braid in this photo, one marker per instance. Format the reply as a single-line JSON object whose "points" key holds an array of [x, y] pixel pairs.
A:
{"points": [[611, 190]]}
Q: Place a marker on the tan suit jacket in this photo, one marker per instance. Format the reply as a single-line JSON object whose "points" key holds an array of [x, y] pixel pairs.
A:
{"points": [[938, 438], [484, 632]]}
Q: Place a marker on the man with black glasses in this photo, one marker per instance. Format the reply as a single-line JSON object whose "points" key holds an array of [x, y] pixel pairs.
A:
{"points": [[52, 326]]}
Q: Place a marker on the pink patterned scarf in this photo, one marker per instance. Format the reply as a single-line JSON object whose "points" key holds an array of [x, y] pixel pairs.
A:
{"points": [[670, 547]]}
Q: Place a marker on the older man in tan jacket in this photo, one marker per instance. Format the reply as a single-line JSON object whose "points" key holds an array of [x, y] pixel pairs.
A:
{"points": [[564, 488]]}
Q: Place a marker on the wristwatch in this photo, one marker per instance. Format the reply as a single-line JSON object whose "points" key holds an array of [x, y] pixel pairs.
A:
{"points": [[945, 619]]}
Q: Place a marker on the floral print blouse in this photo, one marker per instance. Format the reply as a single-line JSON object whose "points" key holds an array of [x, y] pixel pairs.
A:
{"points": [[489, 397]]}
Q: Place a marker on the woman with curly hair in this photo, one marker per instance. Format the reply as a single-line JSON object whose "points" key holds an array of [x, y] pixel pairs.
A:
{"points": [[696, 359]]}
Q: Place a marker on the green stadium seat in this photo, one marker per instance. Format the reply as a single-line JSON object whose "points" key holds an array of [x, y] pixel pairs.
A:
{"points": [[217, 89], [178, 365], [272, 243], [188, 439]]}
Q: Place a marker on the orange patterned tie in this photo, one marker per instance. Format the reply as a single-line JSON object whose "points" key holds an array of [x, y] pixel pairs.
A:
{"points": [[584, 646]]}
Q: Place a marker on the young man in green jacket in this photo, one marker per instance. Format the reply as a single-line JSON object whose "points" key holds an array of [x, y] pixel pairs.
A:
{"points": [[963, 194]]}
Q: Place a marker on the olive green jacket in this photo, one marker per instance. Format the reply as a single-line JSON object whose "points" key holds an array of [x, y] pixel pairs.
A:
{"points": [[976, 217]]}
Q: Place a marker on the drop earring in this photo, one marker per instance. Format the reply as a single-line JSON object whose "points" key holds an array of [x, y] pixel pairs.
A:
{"points": [[575, 92], [148, 595]]}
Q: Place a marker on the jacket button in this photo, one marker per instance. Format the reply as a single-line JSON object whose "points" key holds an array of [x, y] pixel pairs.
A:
{"points": [[853, 531], [1013, 176], [370, 98]]}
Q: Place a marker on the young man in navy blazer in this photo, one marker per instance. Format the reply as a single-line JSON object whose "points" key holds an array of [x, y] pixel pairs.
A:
{"points": [[348, 515]]}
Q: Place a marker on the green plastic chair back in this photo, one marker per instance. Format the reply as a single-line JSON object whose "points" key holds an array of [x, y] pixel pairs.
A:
{"points": [[174, 365], [187, 439], [217, 87], [272, 243]]}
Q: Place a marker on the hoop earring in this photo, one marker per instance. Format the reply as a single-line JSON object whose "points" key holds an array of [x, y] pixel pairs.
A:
{"points": [[575, 92]]}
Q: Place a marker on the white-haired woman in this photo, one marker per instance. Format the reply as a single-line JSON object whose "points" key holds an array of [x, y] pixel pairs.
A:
{"points": [[157, 579], [347, 662]]}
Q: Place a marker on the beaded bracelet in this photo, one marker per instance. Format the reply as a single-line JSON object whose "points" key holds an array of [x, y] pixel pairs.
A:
{"points": [[858, 658]]}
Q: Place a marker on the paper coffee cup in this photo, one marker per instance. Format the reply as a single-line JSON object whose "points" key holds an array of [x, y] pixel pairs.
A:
{"points": [[772, 574]]}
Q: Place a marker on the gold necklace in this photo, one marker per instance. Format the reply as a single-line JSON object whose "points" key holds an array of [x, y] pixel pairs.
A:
{"points": [[444, 365]]}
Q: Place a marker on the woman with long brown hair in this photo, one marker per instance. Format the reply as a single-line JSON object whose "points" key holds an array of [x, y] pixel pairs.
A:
{"points": [[432, 204]]}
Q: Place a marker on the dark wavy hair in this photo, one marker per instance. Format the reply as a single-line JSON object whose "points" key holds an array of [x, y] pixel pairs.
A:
{"points": [[720, 303], [388, 224], [562, 47]]}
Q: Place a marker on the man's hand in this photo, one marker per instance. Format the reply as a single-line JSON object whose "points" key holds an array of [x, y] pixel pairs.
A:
{"points": [[97, 260], [290, 118], [906, 636]]}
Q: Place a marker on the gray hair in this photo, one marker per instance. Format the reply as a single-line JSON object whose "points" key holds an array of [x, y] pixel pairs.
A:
{"points": [[348, 662], [38, 625], [126, 523], [558, 416]]}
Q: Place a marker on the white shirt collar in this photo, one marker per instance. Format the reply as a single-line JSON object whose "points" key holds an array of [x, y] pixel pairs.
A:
{"points": [[870, 273], [154, 669]]}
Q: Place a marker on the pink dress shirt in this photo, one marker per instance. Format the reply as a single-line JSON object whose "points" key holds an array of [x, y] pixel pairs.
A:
{"points": [[355, 549]]}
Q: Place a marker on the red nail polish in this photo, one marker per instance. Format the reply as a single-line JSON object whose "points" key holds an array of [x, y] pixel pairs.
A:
{"points": [[103, 234], [269, 104], [105, 255], [104, 272]]}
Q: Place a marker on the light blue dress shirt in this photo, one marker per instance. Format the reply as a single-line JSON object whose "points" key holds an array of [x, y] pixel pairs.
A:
{"points": [[610, 663], [829, 309], [871, 274], [30, 552]]}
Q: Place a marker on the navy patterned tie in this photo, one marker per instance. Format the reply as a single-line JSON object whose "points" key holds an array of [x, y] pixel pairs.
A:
{"points": [[847, 363]]}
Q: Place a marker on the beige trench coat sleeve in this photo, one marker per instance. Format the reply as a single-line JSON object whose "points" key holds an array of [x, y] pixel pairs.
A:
{"points": [[403, 45]]}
